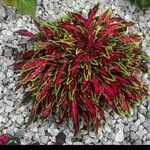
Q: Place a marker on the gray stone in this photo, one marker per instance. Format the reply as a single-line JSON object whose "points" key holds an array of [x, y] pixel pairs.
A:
{"points": [[142, 109], [53, 139], [68, 140], [141, 133], [133, 136], [1, 50], [138, 142], [119, 136], [88, 140], [146, 143], [5, 119], [20, 120], [8, 123], [2, 76], [9, 109], [78, 143], [134, 127], [141, 117], [1, 119], [146, 124], [10, 73], [9, 103], [2, 11], [148, 136], [54, 132], [92, 134], [44, 139], [33, 128]]}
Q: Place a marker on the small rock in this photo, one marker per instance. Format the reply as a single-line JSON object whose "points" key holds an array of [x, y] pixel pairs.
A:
{"points": [[148, 136], [2, 11], [68, 140], [5, 119], [60, 138], [141, 133], [20, 120], [92, 134], [88, 140], [146, 125], [10, 73], [53, 139], [54, 132], [35, 143], [134, 127], [141, 117], [34, 128], [8, 123], [78, 143], [119, 136], [133, 136], [44, 139], [2, 76], [146, 143], [142, 109], [138, 142], [9, 103], [9, 109]]}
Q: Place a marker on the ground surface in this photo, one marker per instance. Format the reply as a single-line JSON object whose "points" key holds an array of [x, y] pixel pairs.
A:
{"points": [[119, 130]]}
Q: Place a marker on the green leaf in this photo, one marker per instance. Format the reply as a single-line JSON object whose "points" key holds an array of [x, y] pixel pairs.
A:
{"points": [[26, 7], [8, 2]]}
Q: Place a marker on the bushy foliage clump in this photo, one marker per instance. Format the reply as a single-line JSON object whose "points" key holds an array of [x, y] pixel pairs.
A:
{"points": [[142, 4], [79, 67]]}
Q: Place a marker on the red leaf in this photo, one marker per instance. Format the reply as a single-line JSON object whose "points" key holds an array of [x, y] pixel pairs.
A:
{"points": [[99, 47], [74, 70], [104, 72], [96, 86], [109, 90], [100, 111], [79, 18], [44, 90], [104, 17], [69, 27], [34, 63], [59, 74], [124, 102], [91, 40], [25, 33], [92, 13], [90, 106], [107, 97], [130, 39], [46, 31], [115, 87], [46, 114], [84, 85], [47, 73], [116, 68], [32, 76], [75, 116], [122, 79], [117, 55], [4, 139], [113, 20], [131, 95], [86, 118], [18, 66], [127, 23]]}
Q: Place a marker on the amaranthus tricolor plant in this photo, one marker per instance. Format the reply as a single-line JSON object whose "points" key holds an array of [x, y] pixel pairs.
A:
{"points": [[80, 67]]}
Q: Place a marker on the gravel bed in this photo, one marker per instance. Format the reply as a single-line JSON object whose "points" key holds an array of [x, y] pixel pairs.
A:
{"points": [[13, 117]]}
